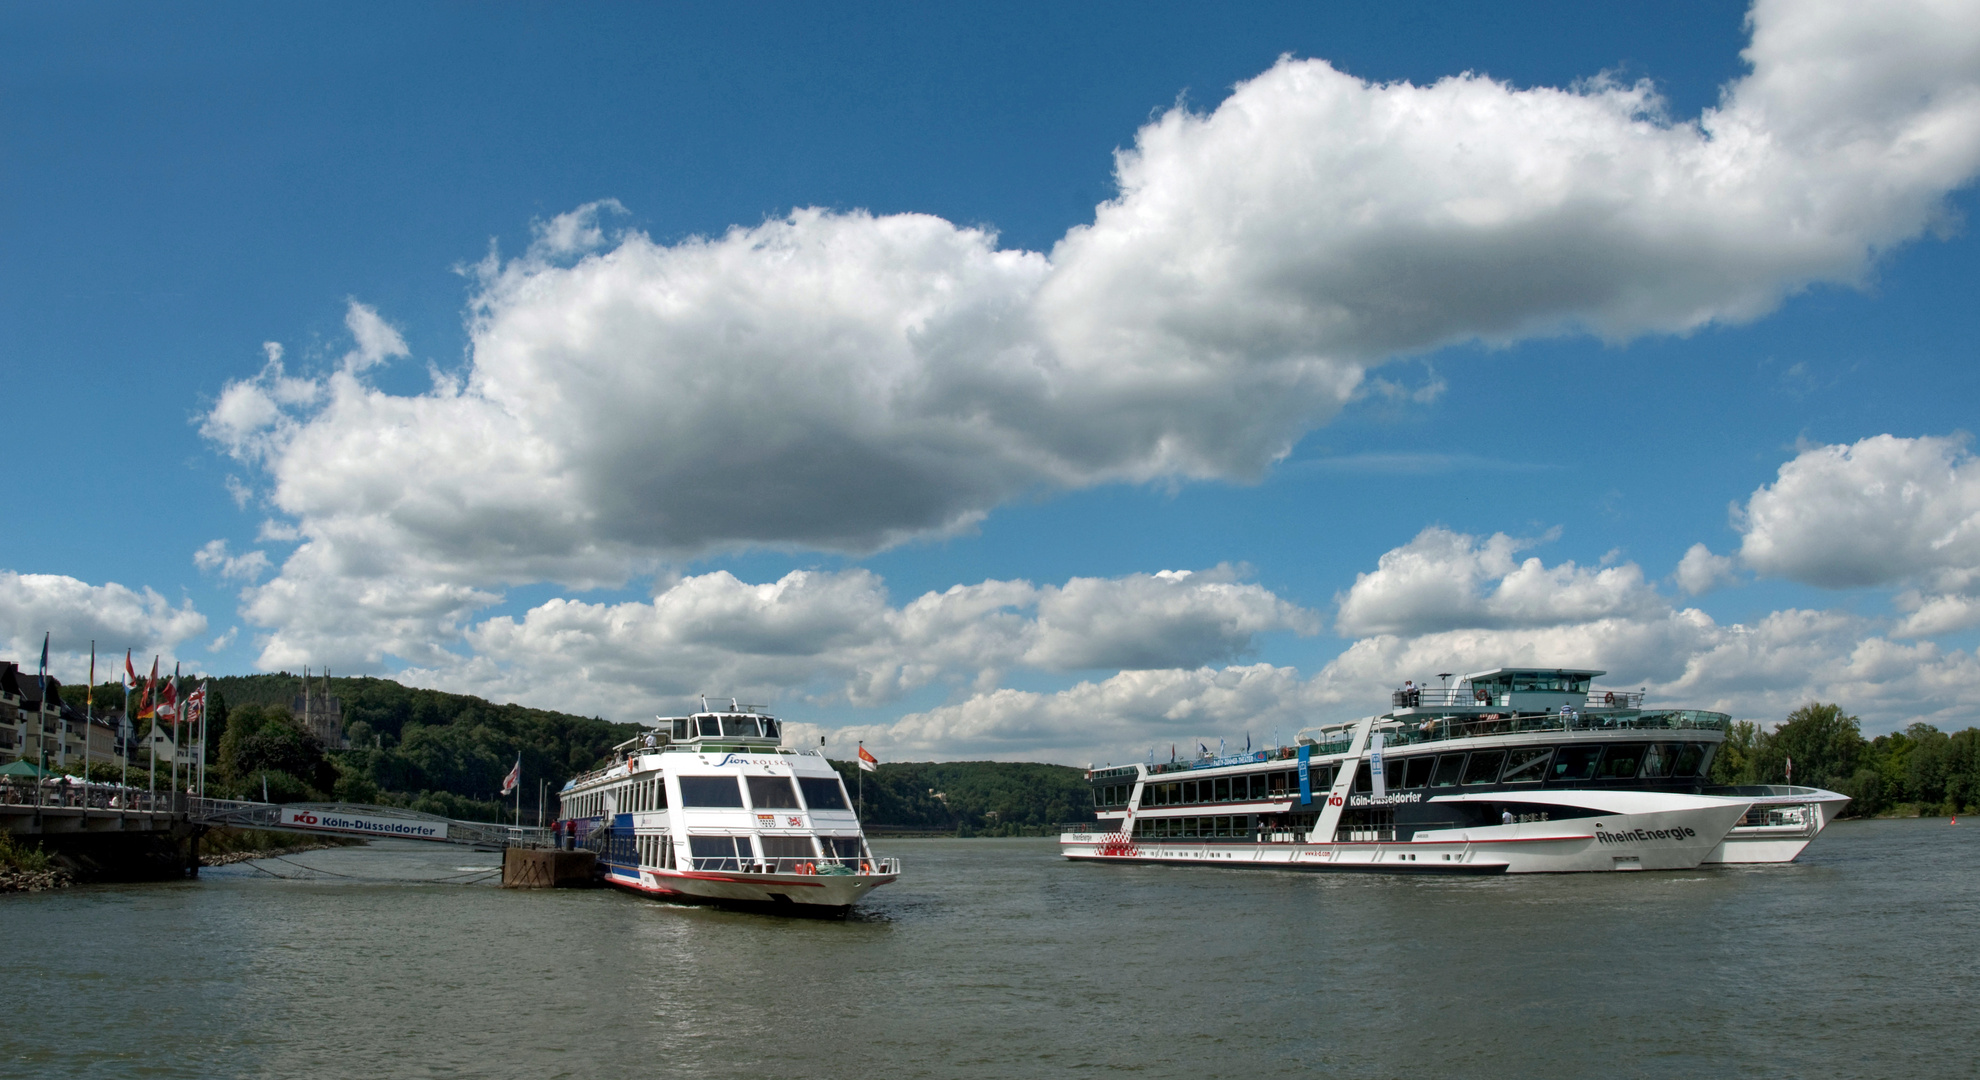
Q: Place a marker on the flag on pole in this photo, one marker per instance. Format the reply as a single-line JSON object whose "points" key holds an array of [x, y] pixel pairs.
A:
{"points": [[44, 665], [867, 761], [515, 777], [196, 704], [130, 673], [147, 706], [168, 699]]}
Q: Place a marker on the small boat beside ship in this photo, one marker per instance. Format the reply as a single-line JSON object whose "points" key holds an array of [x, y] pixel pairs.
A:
{"points": [[1511, 770], [712, 808]]}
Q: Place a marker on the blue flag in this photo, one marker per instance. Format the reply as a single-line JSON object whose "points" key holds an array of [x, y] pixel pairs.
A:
{"points": [[44, 666]]}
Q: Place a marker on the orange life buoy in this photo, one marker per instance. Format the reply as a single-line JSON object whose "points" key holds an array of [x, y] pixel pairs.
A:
{"points": [[1481, 696], [865, 869], [807, 868], [1609, 698]]}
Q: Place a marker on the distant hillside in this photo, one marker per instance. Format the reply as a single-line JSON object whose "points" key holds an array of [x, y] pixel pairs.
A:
{"points": [[431, 750], [972, 798], [447, 754]]}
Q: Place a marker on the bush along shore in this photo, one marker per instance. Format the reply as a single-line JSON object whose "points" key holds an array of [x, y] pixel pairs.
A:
{"points": [[29, 869], [223, 847]]}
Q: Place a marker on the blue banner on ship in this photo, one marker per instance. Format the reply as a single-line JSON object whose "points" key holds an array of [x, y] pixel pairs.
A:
{"points": [[1305, 778]]}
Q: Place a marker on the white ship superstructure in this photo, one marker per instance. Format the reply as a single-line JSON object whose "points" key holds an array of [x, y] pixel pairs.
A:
{"points": [[1511, 770], [712, 808]]}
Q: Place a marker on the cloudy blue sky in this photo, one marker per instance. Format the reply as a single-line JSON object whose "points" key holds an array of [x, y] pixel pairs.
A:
{"points": [[1019, 381]]}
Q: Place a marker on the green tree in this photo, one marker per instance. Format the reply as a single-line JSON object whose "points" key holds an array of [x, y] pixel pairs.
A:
{"points": [[265, 744], [1823, 742], [1735, 763]]}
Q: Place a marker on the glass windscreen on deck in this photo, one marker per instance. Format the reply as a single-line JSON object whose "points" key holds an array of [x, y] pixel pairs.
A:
{"points": [[720, 852], [711, 791], [822, 792], [772, 793]]}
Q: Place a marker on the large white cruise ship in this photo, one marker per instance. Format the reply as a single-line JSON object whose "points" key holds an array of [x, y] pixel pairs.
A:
{"points": [[713, 809], [1511, 770]]}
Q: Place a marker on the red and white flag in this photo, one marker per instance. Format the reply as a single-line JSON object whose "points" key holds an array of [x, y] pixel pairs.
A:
{"points": [[868, 761], [130, 673], [196, 704], [168, 699], [515, 777]]}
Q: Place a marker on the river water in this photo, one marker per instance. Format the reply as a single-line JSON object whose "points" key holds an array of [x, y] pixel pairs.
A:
{"points": [[994, 958]]}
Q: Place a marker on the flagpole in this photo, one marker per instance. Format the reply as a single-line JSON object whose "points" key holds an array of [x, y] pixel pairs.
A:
{"points": [[124, 729], [205, 703], [89, 707], [860, 764]]}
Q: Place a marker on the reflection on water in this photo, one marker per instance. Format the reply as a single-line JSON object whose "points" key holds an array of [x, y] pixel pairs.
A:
{"points": [[995, 958]]}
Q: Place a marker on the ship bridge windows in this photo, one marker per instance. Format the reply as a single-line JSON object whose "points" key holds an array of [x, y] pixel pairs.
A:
{"points": [[772, 793], [683, 728], [843, 848], [711, 726], [823, 793], [1690, 760], [711, 791], [1527, 765], [1620, 762], [1658, 761], [741, 727], [720, 852], [1483, 768], [798, 848], [1576, 762], [1416, 773], [1450, 768]]}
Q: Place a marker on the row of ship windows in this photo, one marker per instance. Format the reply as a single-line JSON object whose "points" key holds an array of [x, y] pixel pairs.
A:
{"points": [[1243, 826], [720, 727], [765, 793], [1526, 765], [732, 852], [1272, 785]]}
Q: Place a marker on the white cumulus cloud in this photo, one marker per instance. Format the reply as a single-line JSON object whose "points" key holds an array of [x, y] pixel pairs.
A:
{"points": [[838, 637], [1700, 571], [1443, 579], [845, 381], [1440, 591], [1883, 511], [73, 613]]}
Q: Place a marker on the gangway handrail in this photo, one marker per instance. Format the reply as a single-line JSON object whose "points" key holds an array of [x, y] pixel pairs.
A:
{"points": [[238, 813]]}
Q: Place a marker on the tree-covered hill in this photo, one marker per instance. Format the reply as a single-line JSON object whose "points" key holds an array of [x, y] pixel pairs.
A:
{"points": [[434, 751], [447, 754], [971, 798]]}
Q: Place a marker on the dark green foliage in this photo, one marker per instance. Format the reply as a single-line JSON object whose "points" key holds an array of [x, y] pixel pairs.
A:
{"points": [[972, 798], [1920, 770], [264, 747], [432, 751]]}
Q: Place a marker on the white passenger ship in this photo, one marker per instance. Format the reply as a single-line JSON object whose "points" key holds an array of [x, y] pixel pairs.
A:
{"points": [[713, 809], [1512, 770]]}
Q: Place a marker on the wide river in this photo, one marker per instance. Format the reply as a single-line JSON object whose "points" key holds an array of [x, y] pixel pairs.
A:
{"points": [[995, 958]]}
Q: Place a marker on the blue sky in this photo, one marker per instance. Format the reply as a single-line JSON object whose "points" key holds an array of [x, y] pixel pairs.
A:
{"points": [[1350, 337]]}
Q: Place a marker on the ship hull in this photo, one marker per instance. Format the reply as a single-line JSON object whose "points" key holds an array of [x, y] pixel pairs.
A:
{"points": [[810, 895], [1639, 831]]}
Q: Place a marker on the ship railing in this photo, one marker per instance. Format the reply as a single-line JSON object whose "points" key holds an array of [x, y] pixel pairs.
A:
{"points": [[67, 792], [1465, 727], [1275, 753], [832, 867], [1458, 697]]}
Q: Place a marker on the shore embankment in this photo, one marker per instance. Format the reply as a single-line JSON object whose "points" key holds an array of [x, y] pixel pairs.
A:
{"points": [[224, 847]]}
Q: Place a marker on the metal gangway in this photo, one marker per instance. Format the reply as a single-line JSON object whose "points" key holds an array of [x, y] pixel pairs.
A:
{"points": [[360, 819]]}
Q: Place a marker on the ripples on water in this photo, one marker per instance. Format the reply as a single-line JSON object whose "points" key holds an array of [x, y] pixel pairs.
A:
{"points": [[994, 958]]}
